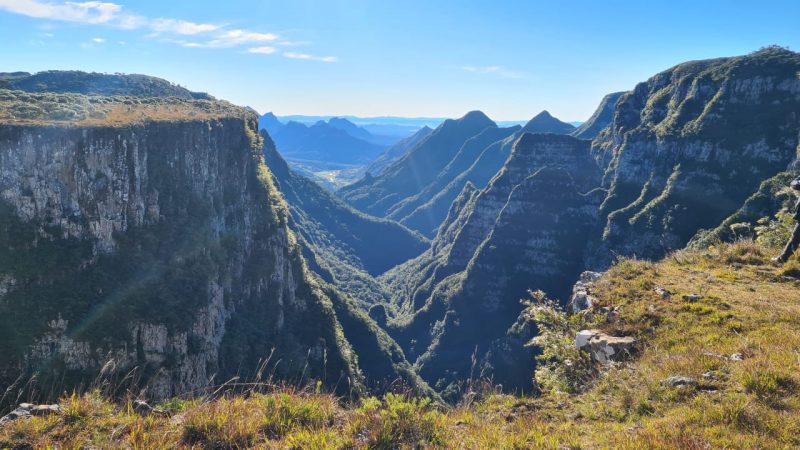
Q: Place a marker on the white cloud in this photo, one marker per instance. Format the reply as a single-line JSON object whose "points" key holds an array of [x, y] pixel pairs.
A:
{"points": [[205, 35], [307, 57], [88, 12], [266, 50], [499, 71], [233, 38], [181, 26], [102, 13]]}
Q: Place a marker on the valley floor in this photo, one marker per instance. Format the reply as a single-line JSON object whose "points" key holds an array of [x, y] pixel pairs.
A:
{"points": [[729, 322]]}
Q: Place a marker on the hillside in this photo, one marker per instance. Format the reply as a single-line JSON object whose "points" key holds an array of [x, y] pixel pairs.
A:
{"points": [[716, 371], [419, 166], [397, 150], [346, 247], [416, 190]]}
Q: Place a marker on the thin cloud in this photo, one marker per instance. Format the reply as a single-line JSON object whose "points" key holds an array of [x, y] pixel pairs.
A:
{"points": [[233, 38], [102, 13], [98, 40], [307, 57], [499, 71], [176, 31], [183, 27], [87, 12], [266, 50]]}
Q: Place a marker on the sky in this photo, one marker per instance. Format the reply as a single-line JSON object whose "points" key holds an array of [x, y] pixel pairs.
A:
{"points": [[510, 59]]}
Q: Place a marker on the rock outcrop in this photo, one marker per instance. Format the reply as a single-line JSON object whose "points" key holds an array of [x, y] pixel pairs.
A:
{"points": [[604, 348]]}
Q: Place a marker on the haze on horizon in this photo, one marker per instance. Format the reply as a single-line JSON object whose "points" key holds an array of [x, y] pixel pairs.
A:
{"points": [[415, 59]]}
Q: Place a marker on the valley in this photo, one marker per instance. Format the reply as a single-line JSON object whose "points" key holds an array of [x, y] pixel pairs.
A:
{"points": [[162, 245]]}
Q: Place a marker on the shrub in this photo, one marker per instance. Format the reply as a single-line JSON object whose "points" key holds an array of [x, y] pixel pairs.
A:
{"points": [[562, 367], [398, 422], [285, 412], [766, 384], [224, 423]]}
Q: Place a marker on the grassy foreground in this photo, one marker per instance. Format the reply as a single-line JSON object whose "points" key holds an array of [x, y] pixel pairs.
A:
{"points": [[738, 304]]}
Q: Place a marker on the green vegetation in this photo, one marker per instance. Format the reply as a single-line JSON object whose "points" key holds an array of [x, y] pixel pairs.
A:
{"points": [[738, 343], [76, 82]]}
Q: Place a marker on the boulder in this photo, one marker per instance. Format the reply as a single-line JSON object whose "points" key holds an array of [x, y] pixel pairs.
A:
{"points": [[691, 298], [679, 382], [604, 348], [26, 410], [663, 293]]}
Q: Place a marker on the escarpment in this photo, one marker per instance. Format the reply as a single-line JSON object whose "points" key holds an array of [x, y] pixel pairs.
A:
{"points": [[686, 148], [161, 246]]}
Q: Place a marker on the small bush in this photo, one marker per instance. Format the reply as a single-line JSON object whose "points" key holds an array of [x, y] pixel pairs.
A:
{"points": [[398, 422], [743, 251], [561, 366], [766, 384], [285, 412], [224, 423], [791, 268]]}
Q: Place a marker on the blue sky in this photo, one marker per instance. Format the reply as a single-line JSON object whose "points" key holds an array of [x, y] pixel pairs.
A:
{"points": [[409, 58]]}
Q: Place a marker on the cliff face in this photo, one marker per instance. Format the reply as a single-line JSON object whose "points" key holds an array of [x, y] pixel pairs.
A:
{"points": [[687, 147], [527, 229], [160, 245]]}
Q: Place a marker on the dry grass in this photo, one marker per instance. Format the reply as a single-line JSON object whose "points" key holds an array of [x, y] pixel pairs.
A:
{"points": [[747, 307], [25, 108]]}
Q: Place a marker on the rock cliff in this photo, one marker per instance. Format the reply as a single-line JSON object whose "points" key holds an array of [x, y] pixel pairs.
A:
{"points": [[687, 147], [160, 242]]}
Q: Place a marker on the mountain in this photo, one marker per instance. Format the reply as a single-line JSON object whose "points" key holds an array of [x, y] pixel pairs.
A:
{"points": [[350, 128], [545, 123], [419, 166], [96, 84], [601, 118], [270, 123], [425, 206], [323, 142], [158, 246], [396, 151], [346, 247], [527, 229], [468, 155], [686, 148], [702, 144], [428, 216]]}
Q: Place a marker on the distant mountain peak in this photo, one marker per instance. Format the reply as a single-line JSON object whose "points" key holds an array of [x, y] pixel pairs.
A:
{"points": [[340, 120], [476, 117], [546, 123]]}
